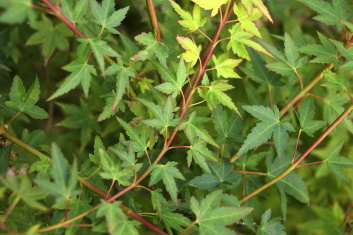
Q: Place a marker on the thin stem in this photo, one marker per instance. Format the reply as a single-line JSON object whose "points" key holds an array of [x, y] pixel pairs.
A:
{"points": [[296, 147], [302, 157], [42, 9], [271, 99], [311, 163], [209, 39], [111, 186], [250, 172], [154, 19], [317, 97], [13, 118], [10, 209], [349, 94], [189, 227]]}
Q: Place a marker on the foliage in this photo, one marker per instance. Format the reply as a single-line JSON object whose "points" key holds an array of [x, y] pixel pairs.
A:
{"points": [[176, 117]]}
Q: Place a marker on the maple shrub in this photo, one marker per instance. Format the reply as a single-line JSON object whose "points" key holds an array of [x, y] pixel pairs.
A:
{"points": [[176, 117]]}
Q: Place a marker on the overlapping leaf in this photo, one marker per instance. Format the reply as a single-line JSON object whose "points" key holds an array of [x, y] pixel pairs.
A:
{"points": [[74, 11], [225, 66], [167, 173], [334, 162], [210, 5], [345, 52], [270, 226], [307, 112], [192, 50], [199, 152], [190, 22], [17, 11], [248, 4], [139, 142], [212, 218], [25, 101], [263, 131], [246, 19]]}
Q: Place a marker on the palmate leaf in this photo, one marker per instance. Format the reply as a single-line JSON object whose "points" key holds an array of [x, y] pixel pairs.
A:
{"points": [[248, 4], [325, 53], [225, 66], [153, 47], [193, 127], [167, 173], [334, 162], [64, 185], [210, 5], [192, 50], [345, 52], [25, 101], [81, 72], [330, 14], [246, 19], [336, 81], [239, 39], [212, 218], [307, 111], [106, 16], [74, 11], [51, 37], [259, 73], [263, 131], [17, 11], [116, 220], [270, 226], [199, 152], [164, 115], [221, 177], [139, 142], [173, 82], [289, 62], [190, 22]]}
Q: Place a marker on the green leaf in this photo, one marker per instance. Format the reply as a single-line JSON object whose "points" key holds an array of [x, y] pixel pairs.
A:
{"points": [[123, 75], [210, 5], [227, 128], [222, 177], [111, 169], [239, 39], [5, 153], [173, 82], [193, 128], [51, 37], [330, 14], [261, 7], [158, 202], [212, 218], [106, 16], [22, 187], [116, 220], [153, 47], [80, 72], [139, 142], [190, 22], [263, 131], [167, 173], [164, 115], [270, 226], [325, 53], [345, 52], [64, 185], [100, 49], [175, 220], [225, 66], [334, 162], [259, 73], [336, 81], [307, 111], [74, 11], [25, 101], [17, 11], [192, 50], [289, 62], [198, 151], [246, 19], [42, 167], [108, 112]]}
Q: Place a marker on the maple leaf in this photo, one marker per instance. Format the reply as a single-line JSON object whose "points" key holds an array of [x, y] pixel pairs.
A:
{"points": [[173, 82], [17, 11], [123, 75], [263, 131], [51, 37], [248, 4], [81, 72], [307, 111], [345, 52], [192, 50], [325, 53], [198, 151], [246, 20], [106, 16], [336, 81], [239, 39], [221, 177], [190, 22], [139, 142], [25, 101], [74, 11], [334, 162], [153, 47], [164, 117], [212, 218], [259, 72], [225, 66], [289, 62], [167, 173], [100, 48], [270, 226], [193, 128], [108, 111], [210, 5], [330, 14]]}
